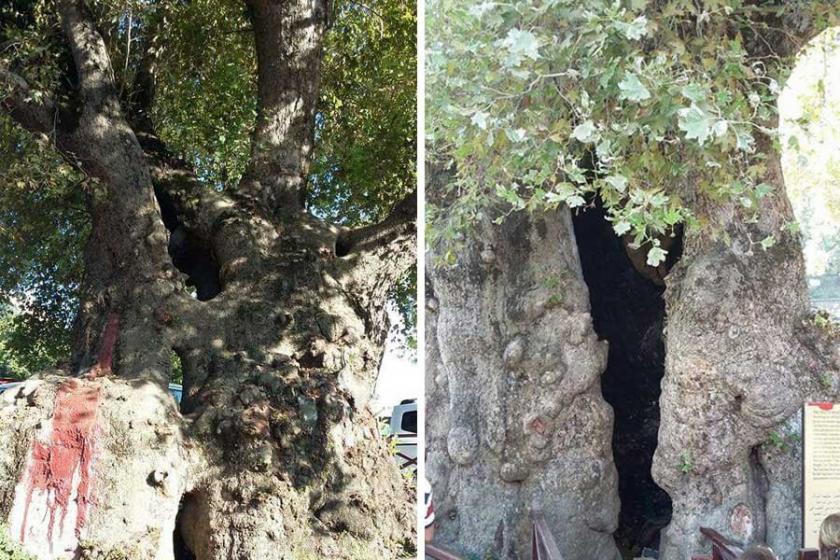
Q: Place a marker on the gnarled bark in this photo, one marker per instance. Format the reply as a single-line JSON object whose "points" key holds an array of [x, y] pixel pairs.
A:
{"points": [[516, 419], [274, 453], [742, 356]]}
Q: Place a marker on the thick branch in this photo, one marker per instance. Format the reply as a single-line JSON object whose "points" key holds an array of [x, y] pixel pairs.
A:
{"points": [[375, 257], [21, 104], [195, 206], [289, 36], [93, 64], [400, 221]]}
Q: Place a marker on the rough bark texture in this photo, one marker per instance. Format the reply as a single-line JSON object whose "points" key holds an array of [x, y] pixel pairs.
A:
{"points": [[95, 487], [274, 453], [516, 419], [742, 355]]}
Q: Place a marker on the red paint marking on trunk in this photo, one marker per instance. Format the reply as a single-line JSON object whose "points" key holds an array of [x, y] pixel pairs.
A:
{"points": [[106, 350], [71, 449]]}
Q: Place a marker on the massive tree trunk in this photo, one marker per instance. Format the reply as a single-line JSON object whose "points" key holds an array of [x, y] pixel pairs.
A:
{"points": [[516, 421], [513, 363], [274, 452], [742, 355]]}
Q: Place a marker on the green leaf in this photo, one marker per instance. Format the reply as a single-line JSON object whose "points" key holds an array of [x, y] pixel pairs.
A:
{"points": [[618, 182], [631, 88], [696, 123], [510, 195], [516, 135], [604, 149], [575, 201], [621, 227], [694, 93], [521, 44], [768, 242], [585, 132], [479, 119], [656, 255], [744, 141], [763, 189], [720, 128], [634, 30]]}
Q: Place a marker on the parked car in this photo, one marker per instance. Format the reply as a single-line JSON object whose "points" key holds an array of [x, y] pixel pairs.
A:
{"points": [[403, 426], [176, 390]]}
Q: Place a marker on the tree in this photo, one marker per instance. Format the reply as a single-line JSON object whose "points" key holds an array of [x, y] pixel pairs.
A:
{"points": [[203, 159], [663, 114]]}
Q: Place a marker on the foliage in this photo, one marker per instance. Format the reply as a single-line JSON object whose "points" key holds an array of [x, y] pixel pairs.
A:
{"points": [[176, 367], [365, 157], [686, 463], [205, 95], [9, 549], [823, 320], [644, 104], [201, 54], [404, 297], [366, 145], [783, 442], [43, 225]]}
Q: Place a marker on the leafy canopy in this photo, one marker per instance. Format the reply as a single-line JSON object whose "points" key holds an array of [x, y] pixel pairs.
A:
{"points": [[644, 104], [202, 56]]}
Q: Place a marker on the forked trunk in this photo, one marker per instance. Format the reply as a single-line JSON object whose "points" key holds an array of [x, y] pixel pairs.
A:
{"points": [[274, 452]]}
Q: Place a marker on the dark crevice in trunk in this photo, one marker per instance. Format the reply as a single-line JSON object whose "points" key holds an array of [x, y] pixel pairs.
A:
{"points": [[342, 246], [190, 253], [762, 488], [182, 551], [628, 311]]}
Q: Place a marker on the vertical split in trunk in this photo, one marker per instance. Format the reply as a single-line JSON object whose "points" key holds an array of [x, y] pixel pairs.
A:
{"points": [[628, 311], [179, 544]]}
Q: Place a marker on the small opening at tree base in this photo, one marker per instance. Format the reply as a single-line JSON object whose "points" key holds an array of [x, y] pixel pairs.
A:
{"points": [[179, 545], [628, 311]]}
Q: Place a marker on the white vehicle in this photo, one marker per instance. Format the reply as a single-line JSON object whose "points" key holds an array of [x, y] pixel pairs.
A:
{"points": [[403, 426]]}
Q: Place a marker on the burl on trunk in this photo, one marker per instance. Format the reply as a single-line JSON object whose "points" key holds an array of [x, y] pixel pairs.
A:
{"points": [[516, 418]]}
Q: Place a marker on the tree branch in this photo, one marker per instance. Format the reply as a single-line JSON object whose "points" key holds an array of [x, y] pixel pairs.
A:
{"points": [[400, 221], [183, 199], [93, 64], [289, 36], [374, 257], [19, 101]]}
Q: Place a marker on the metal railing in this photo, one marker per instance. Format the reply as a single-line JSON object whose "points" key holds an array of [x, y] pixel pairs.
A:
{"points": [[438, 553], [543, 545], [724, 549]]}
